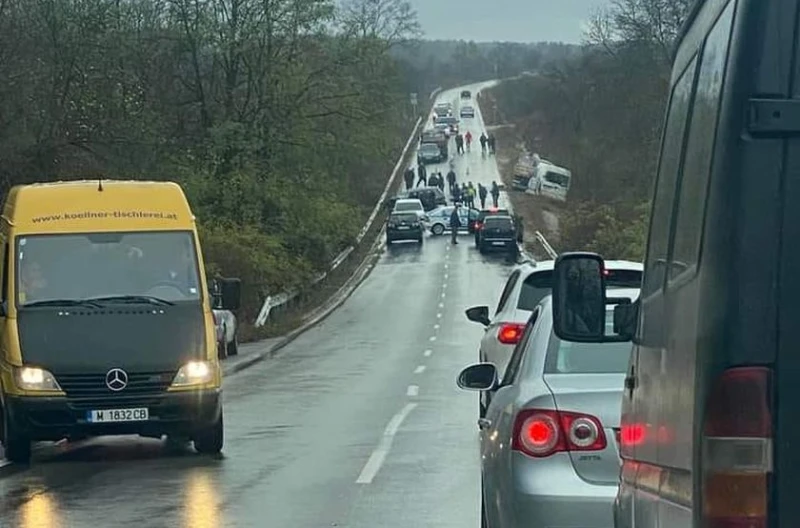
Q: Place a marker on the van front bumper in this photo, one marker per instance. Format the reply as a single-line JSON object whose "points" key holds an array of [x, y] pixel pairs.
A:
{"points": [[170, 413]]}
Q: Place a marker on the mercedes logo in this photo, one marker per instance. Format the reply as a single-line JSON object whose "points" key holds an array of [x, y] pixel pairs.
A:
{"points": [[116, 379]]}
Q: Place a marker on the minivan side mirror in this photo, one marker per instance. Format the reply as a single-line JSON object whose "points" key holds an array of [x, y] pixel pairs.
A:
{"points": [[478, 377], [479, 314], [231, 293], [579, 299]]}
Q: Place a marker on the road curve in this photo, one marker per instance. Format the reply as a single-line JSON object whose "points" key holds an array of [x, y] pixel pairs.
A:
{"points": [[357, 424]]}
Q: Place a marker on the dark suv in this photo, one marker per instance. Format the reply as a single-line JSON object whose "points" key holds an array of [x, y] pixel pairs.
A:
{"points": [[497, 232], [431, 197], [496, 212], [403, 226]]}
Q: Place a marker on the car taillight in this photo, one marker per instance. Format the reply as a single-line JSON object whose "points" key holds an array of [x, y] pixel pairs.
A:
{"points": [[541, 433], [509, 333], [737, 449]]}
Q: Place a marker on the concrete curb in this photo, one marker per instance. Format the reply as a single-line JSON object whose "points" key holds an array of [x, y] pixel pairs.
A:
{"points": [[319, 315]]}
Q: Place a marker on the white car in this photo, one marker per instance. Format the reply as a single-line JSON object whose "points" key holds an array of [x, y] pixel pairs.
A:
{"points": [[411, 205], [527, 285]]}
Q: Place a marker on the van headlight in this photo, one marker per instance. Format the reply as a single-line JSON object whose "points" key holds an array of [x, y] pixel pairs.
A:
{"points": [[35, 379], [194, 373]]}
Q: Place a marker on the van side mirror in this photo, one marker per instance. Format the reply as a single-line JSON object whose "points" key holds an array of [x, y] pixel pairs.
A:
{"points": [[579, 299], [479, 314], [231, 293]]}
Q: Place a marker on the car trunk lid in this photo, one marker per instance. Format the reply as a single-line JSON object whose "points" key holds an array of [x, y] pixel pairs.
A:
{"points": [[599, 395]]}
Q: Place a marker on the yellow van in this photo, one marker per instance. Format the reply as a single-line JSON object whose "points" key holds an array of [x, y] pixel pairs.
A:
{"points": [[105, 322]]}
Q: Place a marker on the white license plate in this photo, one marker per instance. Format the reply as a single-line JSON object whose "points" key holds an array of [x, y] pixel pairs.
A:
{"points": [[403, 227], [117, 415], [498, 243]]}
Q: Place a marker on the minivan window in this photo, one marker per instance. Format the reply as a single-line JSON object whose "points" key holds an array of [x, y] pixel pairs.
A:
{"points": [[700, 146], [561, 180], [81, 266], [538, 285], [404, 217], [408, 206], [566, 357], [660, 222], [509, 287]]}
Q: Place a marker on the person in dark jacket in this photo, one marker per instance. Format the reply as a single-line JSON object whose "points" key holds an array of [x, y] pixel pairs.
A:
{"points": [[459, 143], [483, 140], [482, 194], [422, 175], [455, 223], [495, 193], [491, 140], [451, 179], [456, 193], [409, 178], [440, 182], [432, 182]]}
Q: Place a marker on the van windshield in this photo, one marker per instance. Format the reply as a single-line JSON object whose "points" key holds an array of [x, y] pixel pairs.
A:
{"points": [[84, 266]]}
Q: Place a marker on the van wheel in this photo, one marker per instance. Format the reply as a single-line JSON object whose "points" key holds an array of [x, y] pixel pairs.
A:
{"points": [[17, 446], [233, 346], [209, 441], [438, 229]]}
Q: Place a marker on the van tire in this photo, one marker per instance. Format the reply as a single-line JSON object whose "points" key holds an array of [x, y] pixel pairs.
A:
{"points": [[209, 441], [17, 447], [437, 229], [233, 346]]}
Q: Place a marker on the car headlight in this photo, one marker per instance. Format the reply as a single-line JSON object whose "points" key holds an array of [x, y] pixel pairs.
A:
{"points": [[35, 379], [194, 373]]}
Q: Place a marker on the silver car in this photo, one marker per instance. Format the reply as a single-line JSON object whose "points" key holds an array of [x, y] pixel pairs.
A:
{"points": [[549, 452]]}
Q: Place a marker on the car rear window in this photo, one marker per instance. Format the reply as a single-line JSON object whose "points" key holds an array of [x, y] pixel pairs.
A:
{"points": [[404, 217], [499, 222], [565, 357], [408, 206], [537, 285]]}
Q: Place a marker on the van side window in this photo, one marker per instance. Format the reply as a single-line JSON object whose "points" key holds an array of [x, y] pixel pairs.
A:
{"points": [[512, 281], [664, 200], [700, 147]]}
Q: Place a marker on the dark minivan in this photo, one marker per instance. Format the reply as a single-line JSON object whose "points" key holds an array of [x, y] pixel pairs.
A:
{"points": [[497, 232], [403, 226], [709, 414]]}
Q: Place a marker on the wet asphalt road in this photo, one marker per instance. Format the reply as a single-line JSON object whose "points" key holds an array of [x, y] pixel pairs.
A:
{"points": [[357, 424]]}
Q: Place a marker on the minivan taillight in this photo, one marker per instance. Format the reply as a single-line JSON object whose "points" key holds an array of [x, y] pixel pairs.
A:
{"points": [[541, 432], [509, 333], [737, 449]]}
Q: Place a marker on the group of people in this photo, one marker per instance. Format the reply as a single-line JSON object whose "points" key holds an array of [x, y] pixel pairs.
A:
{"points": [[421, 174], [487, 142]]}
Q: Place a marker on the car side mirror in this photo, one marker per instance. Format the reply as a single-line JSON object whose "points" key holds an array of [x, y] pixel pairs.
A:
{"points": [[478, 377], [479, 314], [231, 293], [579, 299]]}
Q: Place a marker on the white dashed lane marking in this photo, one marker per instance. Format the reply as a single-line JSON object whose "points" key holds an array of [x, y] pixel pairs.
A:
{"points": [[427, 353], [420, 369], [413, 390]]}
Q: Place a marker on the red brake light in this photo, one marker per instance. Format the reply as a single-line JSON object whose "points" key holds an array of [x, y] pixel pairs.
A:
{"points": [[737, 461], [541, 433], [632, 434], [509, 333]]}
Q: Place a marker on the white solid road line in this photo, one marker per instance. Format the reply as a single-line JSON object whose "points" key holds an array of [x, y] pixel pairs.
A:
{"points": [[378, 456], [413, 390], [420, 369]]}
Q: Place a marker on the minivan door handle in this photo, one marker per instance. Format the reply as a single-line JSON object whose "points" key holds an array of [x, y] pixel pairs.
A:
{"points": [[630, 383]]}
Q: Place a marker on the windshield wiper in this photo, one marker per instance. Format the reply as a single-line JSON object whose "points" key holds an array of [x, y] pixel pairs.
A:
{"points": [[62, 302], [132, 299]]}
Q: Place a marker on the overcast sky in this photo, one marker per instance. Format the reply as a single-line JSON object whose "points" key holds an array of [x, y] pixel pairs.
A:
{"points": [[505, 20]]}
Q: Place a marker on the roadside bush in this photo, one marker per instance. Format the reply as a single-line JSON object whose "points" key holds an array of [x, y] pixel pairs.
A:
{"points": [[613, 230]]}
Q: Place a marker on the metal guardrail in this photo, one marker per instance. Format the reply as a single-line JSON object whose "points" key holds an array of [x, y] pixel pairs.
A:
{"points": [[546, 245], [274, 301]]}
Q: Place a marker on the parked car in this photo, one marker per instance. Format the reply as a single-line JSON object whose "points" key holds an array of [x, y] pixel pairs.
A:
{"points": [[430, 153], [443, 109], [497, 232], [227, 333], [467, 111], [439, 219], [450, 121], [549, 439], [403, 226], [431, 197], [444, 128], [525, 287], [466, 94], [502, 212]]}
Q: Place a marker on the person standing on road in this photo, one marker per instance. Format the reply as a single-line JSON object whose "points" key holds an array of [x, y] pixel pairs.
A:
{"points": [[495, 193], [459, 143], [483, 139], [409, 177], [482, 193], [440, 182], [471, 190], [455, 223], [491, 139], [451, 180], [456, 192], [422, 175], [432, 180], [468, 138]]}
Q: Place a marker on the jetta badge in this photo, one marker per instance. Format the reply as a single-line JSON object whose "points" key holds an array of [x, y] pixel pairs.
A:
{"points": [[116, 379]]}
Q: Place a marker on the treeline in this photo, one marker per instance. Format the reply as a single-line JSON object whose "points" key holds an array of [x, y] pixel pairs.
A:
{"points": [[600, 114], [281, 118], [428, 64]]}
